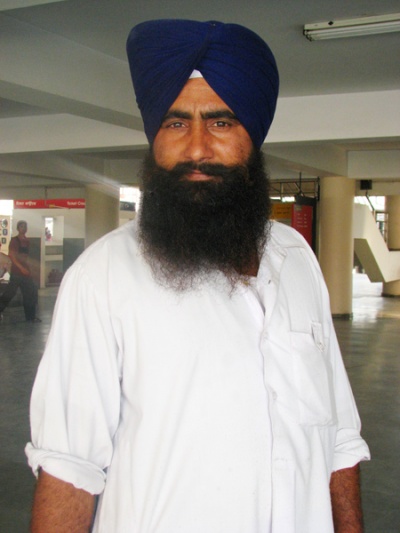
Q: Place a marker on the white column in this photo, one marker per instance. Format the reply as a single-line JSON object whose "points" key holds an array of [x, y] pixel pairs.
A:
{"points": [[392, 288], [102, 211], [336, 246]]}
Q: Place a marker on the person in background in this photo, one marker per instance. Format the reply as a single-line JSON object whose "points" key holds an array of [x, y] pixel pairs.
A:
{"points": [[20, 277], [192, 377]]}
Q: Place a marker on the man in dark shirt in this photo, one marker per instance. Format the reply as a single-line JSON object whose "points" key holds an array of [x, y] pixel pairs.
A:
{"points": [[20, 276]]}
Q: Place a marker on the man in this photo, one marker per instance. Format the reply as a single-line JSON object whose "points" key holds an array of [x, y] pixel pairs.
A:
{"points": [[20, 277], [192, 376]]}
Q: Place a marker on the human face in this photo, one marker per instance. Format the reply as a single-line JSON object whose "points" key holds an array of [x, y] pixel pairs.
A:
{"points": [[200, 128], [22, 228]]}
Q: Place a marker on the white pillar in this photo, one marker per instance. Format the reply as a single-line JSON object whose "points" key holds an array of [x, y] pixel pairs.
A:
{"points": [[336, 246], [102, 211], [392, 288]]}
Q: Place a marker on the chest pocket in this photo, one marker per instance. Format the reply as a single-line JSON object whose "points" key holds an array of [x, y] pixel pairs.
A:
{"points": [[299, 365]]}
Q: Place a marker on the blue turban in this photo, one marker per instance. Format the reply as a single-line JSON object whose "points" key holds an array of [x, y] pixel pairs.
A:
{"points": [[236, 63]]}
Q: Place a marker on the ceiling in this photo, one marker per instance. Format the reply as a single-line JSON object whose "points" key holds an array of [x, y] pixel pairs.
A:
{"points": [[68, 115]]}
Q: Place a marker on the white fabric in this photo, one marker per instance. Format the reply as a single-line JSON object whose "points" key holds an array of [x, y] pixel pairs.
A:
{"points": [[208, 411], [195, 74]]}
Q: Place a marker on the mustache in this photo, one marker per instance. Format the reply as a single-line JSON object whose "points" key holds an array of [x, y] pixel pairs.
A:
{"points": [[176, 177], [210, 169]]}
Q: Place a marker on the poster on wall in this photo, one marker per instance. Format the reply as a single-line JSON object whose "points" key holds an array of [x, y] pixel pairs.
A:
{"points": [[299, 215], [283, 213], [5, 232], [302, 221]]}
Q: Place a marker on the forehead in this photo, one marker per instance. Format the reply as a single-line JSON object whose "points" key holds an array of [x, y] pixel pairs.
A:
{"points": [[197, 94]]}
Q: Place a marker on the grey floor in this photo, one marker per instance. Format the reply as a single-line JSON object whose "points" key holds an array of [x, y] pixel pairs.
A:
{"points": [[370, 344]]}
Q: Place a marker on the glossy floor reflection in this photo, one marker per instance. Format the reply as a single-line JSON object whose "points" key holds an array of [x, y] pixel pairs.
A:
{"points": [[370, 344]]}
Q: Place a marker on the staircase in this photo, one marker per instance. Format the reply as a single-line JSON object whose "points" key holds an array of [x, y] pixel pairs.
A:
{"points": [[379, 263]]}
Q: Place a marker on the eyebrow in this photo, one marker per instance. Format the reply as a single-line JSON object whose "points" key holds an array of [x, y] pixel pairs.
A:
{"points": [[220, 113], [215, 114], [175, 113]]}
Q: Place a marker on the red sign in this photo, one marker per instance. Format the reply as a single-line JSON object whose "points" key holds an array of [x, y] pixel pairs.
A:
{"points": [[59, 203], [302, 218]]}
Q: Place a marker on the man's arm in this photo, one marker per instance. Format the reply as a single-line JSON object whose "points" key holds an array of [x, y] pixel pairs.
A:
{"points": [[59, 506], [346, 500]]}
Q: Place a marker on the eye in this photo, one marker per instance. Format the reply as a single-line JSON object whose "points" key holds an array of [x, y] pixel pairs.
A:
{"points": [[221, 124], [174, 125]]}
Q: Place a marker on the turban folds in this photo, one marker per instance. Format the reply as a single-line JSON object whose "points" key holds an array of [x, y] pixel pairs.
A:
{"points": [[236, 63]]}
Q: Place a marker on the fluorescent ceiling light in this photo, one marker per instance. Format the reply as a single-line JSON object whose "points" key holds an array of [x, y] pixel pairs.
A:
{"points": [[352, 27], [19, 4]]}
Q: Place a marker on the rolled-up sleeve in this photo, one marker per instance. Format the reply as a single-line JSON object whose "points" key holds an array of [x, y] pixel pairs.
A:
{"points": [[350, 447], [82, 474], [75, 402]]}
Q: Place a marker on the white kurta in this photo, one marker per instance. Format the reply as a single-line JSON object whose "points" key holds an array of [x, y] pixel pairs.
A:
{"points": [[209, 411]]}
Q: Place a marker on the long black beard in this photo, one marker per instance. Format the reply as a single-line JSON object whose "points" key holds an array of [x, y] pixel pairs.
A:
{"points": [[190, 230]]}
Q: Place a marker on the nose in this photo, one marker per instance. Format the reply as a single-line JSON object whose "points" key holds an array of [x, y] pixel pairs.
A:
{"points": [[198, 147]]}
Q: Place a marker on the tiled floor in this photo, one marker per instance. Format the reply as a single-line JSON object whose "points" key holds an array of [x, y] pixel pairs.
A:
{"points": [[371, 350], [370, 344]]}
